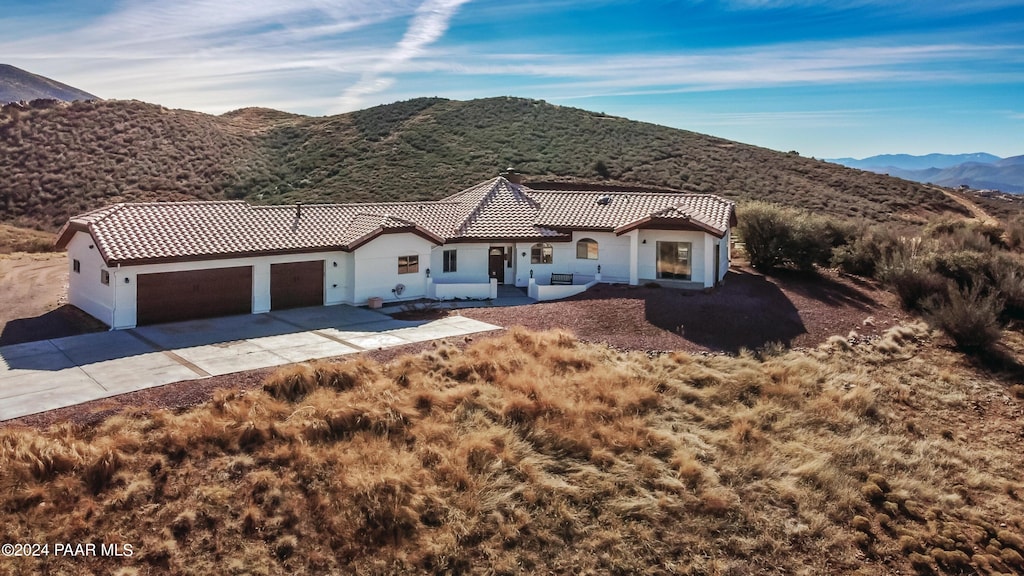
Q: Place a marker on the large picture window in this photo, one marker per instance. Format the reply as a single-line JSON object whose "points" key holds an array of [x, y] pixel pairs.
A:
{"points": [[408, 264], [674, 260], [541, 254], [450, 264], [586, 249]]}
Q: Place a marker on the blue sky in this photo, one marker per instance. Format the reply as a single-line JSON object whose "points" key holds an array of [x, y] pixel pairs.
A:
{"points": [[828, 79]]}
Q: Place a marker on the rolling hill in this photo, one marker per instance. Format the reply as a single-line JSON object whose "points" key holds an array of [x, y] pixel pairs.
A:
{"points": [[980, 171], [64, 159], [910, 162], [17, 85]]}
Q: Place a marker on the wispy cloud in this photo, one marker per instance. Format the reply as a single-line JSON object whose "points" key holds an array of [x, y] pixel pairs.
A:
{"points": [[213, 55], [427, 26], [731, 69]]}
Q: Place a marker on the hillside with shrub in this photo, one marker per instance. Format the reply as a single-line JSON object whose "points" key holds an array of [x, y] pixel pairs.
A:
{"points": [[536, 453], [57, 160], [964, 276]]}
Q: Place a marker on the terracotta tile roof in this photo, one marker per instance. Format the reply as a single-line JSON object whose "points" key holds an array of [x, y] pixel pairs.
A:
{"points": [[498, 209], [493, 210], [615, 210]]}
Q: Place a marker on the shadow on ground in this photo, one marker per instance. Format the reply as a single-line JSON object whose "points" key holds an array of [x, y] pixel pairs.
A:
{"points": [[747, 311], [66, 320]]}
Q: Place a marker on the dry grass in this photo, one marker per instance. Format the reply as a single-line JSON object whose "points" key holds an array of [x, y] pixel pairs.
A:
{"points": [[534, 452], [13, 239]]}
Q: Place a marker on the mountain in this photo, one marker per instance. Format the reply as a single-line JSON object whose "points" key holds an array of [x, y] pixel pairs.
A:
{"points": [[979, 170], [17, 84], [908, 162], [61, 160]]}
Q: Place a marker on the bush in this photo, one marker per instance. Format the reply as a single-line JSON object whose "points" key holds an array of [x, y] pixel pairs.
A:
{"points": [[778, 237], [1008, 280], [965, 267], [969, 316], [1015, 232], [866, 248], [916, 286]]}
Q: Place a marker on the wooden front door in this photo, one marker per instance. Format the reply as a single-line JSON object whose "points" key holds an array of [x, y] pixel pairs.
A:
{"points": [[496, 264]]}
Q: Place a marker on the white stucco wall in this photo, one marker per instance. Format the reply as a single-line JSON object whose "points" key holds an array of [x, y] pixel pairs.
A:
{"points": [[127, 303], [612, 255], [84, 287], [470, 263], [563, 258], [723, 255], [120, 311], [375, 267], [702, 256]]}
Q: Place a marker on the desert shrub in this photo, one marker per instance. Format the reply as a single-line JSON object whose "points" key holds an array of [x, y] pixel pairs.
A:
{"points": [[965, 267], [777, 237], [970, 316], [964, 234], [867, 246], [914, 286], [1015, 232], [1007, 274]]}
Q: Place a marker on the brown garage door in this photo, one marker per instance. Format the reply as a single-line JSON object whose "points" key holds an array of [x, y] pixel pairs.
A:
{"points": [[170, 296], [296, 284]]}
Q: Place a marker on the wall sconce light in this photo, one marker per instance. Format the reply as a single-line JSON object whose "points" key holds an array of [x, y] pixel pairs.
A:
{"points": [[335, 264], [531, 272], [91, 246], [598, 268], [334, 285], [127, 281], [644, 241], [428, 272], [524, 254]]}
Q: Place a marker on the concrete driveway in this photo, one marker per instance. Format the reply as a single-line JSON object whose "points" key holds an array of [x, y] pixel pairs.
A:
{"points": [[40, 376]]}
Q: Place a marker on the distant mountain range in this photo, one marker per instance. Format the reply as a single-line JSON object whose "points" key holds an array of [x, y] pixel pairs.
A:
{"points": [[979, 170], [17, 85]]}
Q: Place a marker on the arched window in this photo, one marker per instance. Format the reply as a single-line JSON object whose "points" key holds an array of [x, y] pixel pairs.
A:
{"points": [[586, 249], [541, 254]]}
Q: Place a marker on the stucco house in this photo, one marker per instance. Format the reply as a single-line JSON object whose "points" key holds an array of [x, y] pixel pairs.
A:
{"points": [[143, 263]]}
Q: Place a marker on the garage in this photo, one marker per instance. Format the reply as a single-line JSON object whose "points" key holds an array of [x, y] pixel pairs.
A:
{"points": [[190, 294], [296, 284]]}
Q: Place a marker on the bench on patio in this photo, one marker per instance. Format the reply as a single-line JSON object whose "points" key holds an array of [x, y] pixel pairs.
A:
{"points": [[561, 279]]}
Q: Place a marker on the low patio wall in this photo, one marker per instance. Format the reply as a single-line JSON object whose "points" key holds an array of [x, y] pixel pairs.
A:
{"points": [[543, 292], [463, 290]]}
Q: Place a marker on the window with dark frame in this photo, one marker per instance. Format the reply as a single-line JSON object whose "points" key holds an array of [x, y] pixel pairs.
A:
{"points": [[104, 277], [408, 264], [450, 261], [586, 249], [76, 266], [541, 254]]}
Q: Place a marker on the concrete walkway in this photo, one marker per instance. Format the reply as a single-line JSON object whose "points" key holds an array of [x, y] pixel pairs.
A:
{"points": [[40, 376]]}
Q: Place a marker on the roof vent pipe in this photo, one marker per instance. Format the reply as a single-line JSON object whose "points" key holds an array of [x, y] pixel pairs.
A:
{"points": [[298, 209], [512, 176]]}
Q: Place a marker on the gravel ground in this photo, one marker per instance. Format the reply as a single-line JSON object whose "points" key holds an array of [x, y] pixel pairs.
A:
{"points": [[749, 310]]}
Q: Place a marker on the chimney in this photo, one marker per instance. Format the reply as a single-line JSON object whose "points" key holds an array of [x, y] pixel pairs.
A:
{"points": [[512, 176]]}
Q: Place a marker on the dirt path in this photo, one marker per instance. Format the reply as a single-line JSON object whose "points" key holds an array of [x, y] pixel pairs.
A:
{"points": [[977, 212], [33, 293], [31, 284]]}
